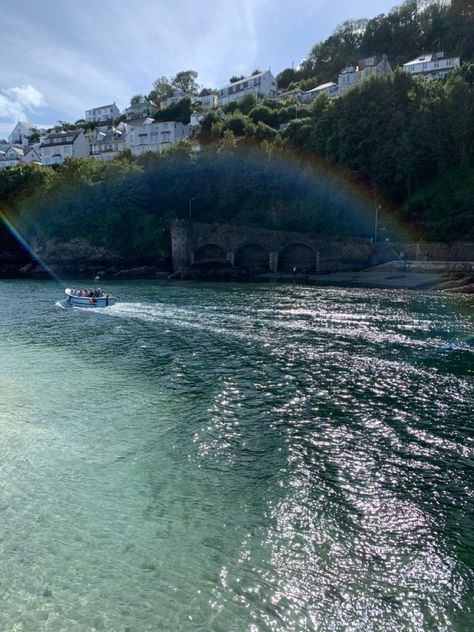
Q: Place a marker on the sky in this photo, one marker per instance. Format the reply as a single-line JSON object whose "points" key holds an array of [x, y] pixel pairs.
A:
{"points": [[61, 57]]}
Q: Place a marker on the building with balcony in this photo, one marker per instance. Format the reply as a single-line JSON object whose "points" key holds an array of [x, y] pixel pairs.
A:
{"points": [[155, 136], [141, 110], [330, 88], [106, 145], [261, 85], [376, 66], [432, 65]]}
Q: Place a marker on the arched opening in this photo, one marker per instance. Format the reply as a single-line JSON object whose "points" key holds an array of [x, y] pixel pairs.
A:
{"points": [[298, 256], [252, 257], [209, 253]]}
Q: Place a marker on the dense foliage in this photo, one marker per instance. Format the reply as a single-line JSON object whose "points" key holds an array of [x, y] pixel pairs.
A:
{"points": [[414, 27], [408, 142]]}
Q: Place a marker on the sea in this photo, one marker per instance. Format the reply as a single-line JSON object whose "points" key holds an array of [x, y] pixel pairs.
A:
{"points": [[236, 457]]}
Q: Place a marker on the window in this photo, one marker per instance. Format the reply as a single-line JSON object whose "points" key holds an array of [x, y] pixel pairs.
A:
{"points": [[142, 139]]}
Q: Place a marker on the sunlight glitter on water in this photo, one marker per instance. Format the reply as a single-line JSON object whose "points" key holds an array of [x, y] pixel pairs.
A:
{"points": [[235, 458]]}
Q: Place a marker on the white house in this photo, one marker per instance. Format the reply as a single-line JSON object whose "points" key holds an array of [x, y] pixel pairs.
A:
{"points": [[296, 93], [32, 154], [432, 65], [195, 119], [376, 66], [21, 132], [140, 110], [330, 88], [106, 145], [155, 136], [207, 99], [102, 113], [261, 85], [56, 147], [12, 157], [174, 98]]}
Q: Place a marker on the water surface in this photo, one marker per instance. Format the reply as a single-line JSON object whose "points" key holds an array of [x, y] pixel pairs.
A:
{"points": [[236, 458]]}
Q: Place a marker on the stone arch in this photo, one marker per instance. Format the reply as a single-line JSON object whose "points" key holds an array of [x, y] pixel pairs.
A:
{"points": [[297, 255], [252, 256], [208, 253]]}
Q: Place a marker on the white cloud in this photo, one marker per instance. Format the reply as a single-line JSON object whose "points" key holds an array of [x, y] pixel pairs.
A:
{"points": [[16, 102]]}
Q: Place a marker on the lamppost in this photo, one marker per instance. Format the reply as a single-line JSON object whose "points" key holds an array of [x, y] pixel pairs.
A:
{"points": [[376, 224], [191, 200]]}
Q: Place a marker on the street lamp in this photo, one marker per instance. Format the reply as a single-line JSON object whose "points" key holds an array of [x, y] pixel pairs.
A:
{"points": [[377, 207], [191, 207]]}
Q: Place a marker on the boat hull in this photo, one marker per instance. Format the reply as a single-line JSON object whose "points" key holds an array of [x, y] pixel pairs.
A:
{"points": [[89, 302]]}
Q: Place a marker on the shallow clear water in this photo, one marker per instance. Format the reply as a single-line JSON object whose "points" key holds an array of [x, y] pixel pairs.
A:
{"points": [[236, 457]]}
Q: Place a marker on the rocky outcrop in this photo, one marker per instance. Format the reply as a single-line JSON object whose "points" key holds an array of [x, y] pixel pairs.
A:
{"points": [[79, 258], [463, 284]]}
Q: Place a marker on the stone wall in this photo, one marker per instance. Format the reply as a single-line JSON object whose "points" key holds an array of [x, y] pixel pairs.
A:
{"points": [[193, 243], [439, 251]]}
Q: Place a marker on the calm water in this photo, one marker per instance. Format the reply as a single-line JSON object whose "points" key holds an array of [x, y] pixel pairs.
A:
{"points": [[236, 458]]}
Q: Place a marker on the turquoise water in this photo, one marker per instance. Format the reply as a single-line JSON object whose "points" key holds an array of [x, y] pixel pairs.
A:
{"points": [[236, 458]]}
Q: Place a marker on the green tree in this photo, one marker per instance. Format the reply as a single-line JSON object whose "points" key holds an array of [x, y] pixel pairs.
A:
{"points": [[236, 123], [136, 99], [162, 89], [285, 77], [185, 82], [180, 111], [265, 114]]}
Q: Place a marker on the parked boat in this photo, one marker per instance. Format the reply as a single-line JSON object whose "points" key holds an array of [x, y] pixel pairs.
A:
{"points": [[88, 298]]}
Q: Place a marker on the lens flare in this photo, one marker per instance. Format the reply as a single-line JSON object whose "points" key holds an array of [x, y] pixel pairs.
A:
{"points": [[24, 243]]}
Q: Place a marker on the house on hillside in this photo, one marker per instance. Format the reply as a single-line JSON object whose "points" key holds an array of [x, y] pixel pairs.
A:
{"points": [[21, 133], [261, 85], [432, 65], [376, 66], [296, 93], [195, 120], [12, 157], [145, 108], [106, 145], [174, 98], [155, 136], [330, 88], [55, 148], [32, 154], [207, 99], [103, 113]]}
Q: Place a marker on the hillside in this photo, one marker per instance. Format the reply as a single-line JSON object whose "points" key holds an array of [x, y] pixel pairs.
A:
{"points": [[401, 142]]}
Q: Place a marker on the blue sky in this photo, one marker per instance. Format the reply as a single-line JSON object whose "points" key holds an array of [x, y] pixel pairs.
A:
{"points": [[61, 57]]}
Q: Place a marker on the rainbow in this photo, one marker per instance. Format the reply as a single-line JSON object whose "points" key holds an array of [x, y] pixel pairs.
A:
{"points": [[21, 239]]}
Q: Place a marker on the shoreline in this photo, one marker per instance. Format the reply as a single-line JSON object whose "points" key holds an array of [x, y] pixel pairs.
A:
{"points": [[437, 278]]}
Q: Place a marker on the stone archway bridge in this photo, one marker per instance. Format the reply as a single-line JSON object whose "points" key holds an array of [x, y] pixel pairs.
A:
{"points": [[256, 249]]}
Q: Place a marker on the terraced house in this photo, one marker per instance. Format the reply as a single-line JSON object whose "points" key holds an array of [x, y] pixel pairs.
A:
{"points": [[55, 148]]}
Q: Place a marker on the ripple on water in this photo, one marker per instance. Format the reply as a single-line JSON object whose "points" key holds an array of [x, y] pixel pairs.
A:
{"points": [[236, 458]]}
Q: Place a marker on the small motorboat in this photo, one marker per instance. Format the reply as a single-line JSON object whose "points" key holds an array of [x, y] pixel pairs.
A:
{"points": [[88, 298]]}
